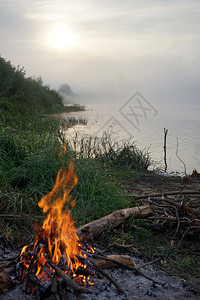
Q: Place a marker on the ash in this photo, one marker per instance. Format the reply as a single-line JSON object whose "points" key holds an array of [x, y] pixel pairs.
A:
{"points": [[134, 286]]}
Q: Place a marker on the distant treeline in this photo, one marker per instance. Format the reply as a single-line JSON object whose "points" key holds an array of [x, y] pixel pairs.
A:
{"points": [[27, 94]]}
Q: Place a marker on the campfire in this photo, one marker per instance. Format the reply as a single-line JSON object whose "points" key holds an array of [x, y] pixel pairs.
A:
{"points": [[61, 262], [56, 250], [57, 260]]}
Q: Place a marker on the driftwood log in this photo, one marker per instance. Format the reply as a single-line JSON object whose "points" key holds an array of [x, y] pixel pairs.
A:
{"points": [[94, 229]]}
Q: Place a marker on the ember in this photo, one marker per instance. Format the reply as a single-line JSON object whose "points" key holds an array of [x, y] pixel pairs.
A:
{"points": [[56, 249]]}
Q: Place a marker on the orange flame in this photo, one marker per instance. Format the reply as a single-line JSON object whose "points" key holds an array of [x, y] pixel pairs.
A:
{"points": [[58, 232], [58, 228]]}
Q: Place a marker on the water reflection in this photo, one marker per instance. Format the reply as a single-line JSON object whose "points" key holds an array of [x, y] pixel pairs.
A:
{"points": [[181, 123]]}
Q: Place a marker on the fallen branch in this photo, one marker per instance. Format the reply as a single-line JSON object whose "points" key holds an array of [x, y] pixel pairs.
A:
{"points": [[185, 172], [165, 148], [173, 193], [94, 229], [22, 216]]}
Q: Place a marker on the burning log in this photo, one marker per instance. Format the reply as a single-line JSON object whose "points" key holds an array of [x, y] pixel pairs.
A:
{"points": [[68, 280], [94, 229]]}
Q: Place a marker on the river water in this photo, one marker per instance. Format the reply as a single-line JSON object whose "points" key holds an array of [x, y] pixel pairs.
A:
{"points": [[145, 123]]}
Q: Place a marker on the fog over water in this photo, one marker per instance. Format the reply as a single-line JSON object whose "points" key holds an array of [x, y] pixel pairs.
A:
{"points": [[182, 123]]}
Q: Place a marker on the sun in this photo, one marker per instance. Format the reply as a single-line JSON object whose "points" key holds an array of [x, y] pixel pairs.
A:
{"points": [[60, 38]]}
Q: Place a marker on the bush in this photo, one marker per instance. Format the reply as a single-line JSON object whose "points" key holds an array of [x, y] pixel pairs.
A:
{"points": [[28, 94]]}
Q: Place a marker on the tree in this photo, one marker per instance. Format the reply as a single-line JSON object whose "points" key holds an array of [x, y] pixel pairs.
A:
{"points": [[65, 90]]}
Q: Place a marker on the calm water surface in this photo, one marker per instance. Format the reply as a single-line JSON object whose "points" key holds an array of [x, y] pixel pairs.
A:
{"points": [[182, 122]]}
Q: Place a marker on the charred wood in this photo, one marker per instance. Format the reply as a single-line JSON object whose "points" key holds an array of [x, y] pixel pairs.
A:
{"points": [[68, 280]]}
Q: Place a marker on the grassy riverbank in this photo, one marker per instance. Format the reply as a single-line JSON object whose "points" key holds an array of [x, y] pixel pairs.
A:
{"points": [[30, 143]]}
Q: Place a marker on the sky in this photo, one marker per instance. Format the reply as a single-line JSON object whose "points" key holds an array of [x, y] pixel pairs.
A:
{"points": [[108, 49]]}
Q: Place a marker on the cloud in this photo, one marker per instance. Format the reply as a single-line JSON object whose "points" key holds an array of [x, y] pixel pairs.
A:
{"points": [[151, 46]]}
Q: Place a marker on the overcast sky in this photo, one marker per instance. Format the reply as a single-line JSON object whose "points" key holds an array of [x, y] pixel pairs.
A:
{"points": [[111, 48]]}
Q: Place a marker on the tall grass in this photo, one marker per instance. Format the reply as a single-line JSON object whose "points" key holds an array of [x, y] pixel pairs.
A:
{"points": [[123, 154]]}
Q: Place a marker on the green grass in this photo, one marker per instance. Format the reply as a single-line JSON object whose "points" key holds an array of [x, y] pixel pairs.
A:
{"points": [[124, 155], [96, 193]]}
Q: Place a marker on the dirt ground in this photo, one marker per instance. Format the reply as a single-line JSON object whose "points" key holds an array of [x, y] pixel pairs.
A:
{"points": [[149, 184]]}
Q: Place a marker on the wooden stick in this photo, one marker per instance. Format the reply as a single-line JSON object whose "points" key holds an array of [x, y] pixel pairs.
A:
{"points": [[180, 158], [149, 263], [120, 290], [165, 148], [68, 280], [186, 231], [23, 216], [173, 193]]}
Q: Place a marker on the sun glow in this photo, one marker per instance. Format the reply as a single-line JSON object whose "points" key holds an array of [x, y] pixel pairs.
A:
{"points": [[60, 38]]}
